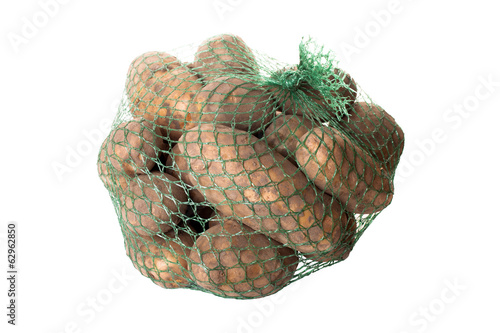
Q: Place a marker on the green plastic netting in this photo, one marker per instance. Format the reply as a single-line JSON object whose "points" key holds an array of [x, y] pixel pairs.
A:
{"points": [[235, 174]]}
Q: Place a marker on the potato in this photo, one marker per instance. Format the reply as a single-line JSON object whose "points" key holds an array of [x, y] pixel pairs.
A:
{"points": [[235, 102], [133, 146], [378, 132], [103, 167], [163, 93], [222, 55], [153, 204], [143, 68], [241, 178], [344, 170], [344, 236], [284, 133], [233, 260], [163, 259]]}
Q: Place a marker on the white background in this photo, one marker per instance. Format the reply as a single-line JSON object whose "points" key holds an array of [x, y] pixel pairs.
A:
{"points": [[428, 263]]}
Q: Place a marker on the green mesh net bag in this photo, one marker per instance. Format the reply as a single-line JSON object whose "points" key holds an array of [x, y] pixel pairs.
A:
{"points": [[235, 174]]}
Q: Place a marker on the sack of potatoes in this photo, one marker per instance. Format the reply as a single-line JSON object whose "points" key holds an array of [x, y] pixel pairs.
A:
{"points": [[235, 174]]}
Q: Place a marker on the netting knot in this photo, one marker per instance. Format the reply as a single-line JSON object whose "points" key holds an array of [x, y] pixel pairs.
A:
{"points": [[290, 79], [317, 67]]}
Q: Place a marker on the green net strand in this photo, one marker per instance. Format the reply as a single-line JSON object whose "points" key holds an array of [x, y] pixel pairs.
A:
{"points": [[317, 65], [235, 174], [315, 72]]}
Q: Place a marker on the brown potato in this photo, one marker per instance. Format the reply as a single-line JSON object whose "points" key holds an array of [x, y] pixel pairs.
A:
{"points": [[240, 177], [133, 243], [233, 260], [222, 55], [284, 133], [345, 236], [235, 102], [153, 204], [103, 167], [377, 132], [163, 258], [144, 67], [344, 170], [163, 93], [133, 146]]}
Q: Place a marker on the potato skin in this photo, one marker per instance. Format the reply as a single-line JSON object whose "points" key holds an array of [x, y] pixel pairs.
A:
{"points": [[145, 212], [344, 237], [107, 175], [222, 55], [378, 132], [237, 102], [102, 167], [163, 259], [284, 133], [241, 178], [133, 146], [163, 91], [344, 170], [144, 67], [233, 260]]}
